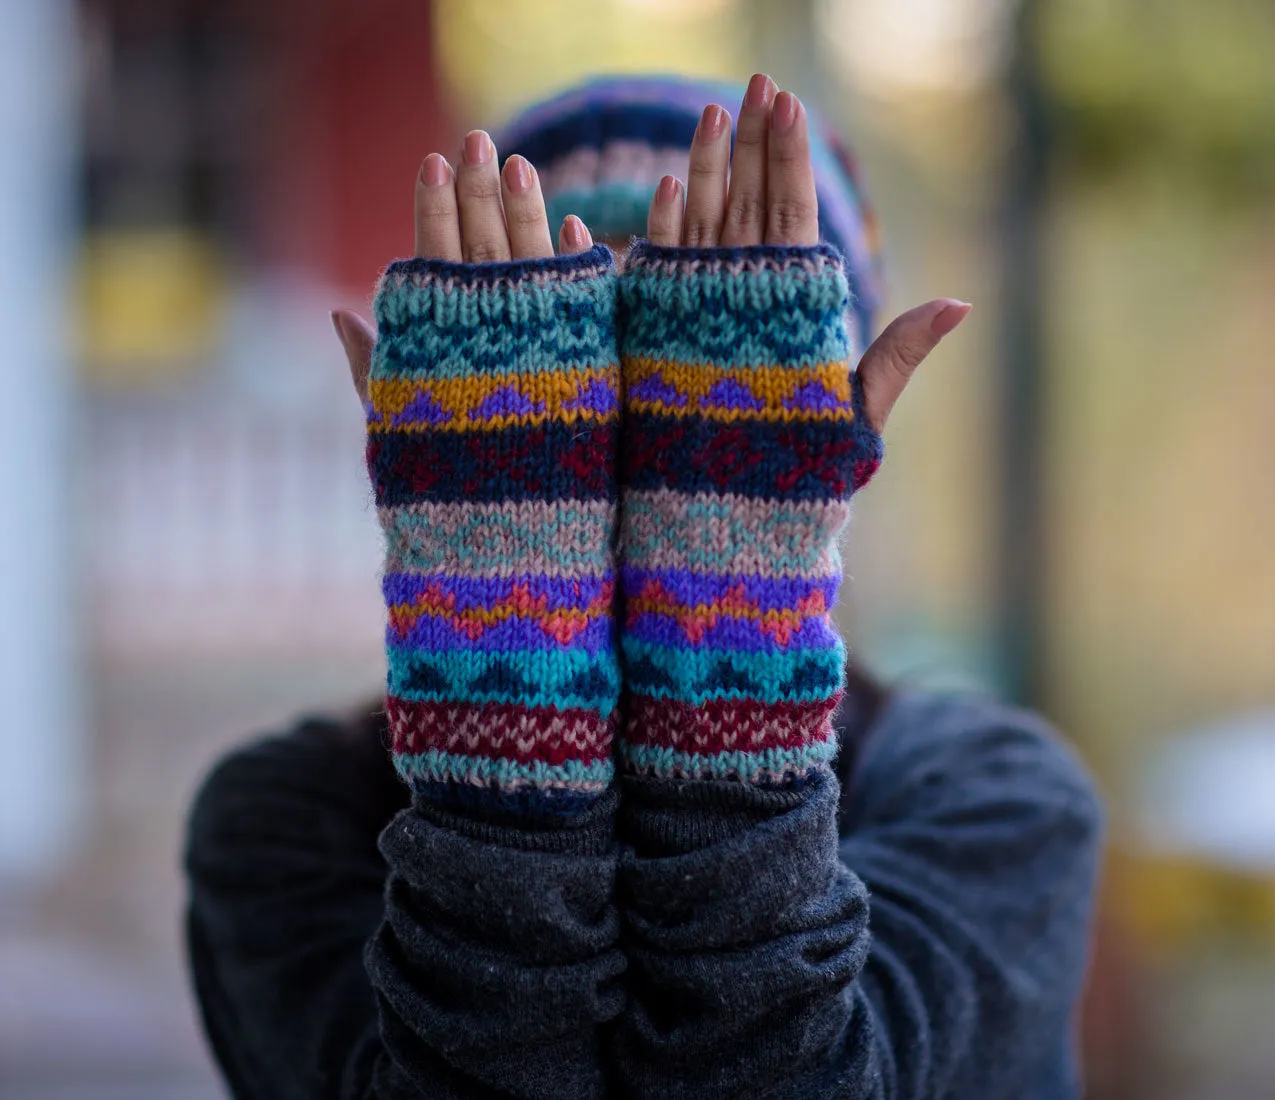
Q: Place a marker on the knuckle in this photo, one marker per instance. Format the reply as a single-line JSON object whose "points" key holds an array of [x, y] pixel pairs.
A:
{"points": [[788, 215], [699, 234], [785, 154], [745, 210], [436, 213], [481, 188], [486, 251], [906, 356], [701, 168], [526, 215]]}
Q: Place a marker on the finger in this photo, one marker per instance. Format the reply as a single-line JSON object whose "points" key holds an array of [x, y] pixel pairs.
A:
{"points": [[437, 223], [483, 237], [746, 205], [573, 237], [357, 338], [664, 219], [525, 211], [792, 211], [706, 179], [888, 365]]}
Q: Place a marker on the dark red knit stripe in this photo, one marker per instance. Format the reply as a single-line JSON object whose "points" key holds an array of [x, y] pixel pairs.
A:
{"points": [[726, 725], [547, 735]]}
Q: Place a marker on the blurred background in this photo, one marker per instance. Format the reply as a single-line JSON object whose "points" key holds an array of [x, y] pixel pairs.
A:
{"points": [[1078, 511]]}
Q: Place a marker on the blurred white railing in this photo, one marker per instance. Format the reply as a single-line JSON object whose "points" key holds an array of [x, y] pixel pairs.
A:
{"points": [[214, 522]]}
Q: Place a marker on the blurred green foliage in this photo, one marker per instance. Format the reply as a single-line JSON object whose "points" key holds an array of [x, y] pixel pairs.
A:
{"points": [[1182, 86]]}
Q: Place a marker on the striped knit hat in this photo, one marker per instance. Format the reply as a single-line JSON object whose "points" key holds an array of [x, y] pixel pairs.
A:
{"points": [[601, 148]]}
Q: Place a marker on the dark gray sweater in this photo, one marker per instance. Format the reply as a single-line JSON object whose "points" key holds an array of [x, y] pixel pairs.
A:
{"points": [[916, 927]]}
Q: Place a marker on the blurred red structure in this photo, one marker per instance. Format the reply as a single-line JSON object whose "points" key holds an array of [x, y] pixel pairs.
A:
{"points": [[292, 130], [355, 107]]}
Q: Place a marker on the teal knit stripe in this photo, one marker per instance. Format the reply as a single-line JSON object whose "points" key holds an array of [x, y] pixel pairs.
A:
{"points": [[769, 765], [750, 289], [560, 538], [437, 766], [447, 321], [787, 339], [450, 303], [428, 353], [546, 678], [696, 676], [737, 308]]}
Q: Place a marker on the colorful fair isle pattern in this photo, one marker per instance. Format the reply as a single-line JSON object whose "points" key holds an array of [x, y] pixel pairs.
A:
{"points": [[492, 418], [740, 451]]}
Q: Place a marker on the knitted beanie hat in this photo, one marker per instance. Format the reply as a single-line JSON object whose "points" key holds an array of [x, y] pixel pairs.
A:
{"points": [[601, 147]]}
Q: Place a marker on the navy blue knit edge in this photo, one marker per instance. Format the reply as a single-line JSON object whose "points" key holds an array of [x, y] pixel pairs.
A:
{"points": [[644, 250], [503, 270]]}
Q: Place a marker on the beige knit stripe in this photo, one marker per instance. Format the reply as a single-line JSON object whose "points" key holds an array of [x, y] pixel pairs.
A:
{"points": [[561, 538], [727, 534]]}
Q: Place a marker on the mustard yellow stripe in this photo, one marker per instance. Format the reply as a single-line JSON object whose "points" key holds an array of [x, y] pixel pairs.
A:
{"points": [[487, 402], [820, 392]]}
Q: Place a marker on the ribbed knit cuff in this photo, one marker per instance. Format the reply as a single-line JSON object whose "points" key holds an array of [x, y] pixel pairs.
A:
{"points": [[492, 417], [742, 446]]}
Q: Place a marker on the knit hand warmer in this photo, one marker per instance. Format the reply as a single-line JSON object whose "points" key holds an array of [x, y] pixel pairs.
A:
{"points": [[492, 419], [742, 444]]}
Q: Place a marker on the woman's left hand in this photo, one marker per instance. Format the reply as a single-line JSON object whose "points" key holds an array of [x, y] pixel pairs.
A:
{"points": [[765, 194]]}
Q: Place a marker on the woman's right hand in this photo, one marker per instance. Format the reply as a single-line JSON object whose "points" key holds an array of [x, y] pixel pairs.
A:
{"points": [[473, 213]]}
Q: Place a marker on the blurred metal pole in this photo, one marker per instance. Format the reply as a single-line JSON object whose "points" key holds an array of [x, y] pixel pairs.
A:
{"points": [[1020, 544], [42, 765]]}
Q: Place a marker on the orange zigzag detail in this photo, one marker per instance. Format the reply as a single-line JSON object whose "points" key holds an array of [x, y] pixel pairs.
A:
{"points": [[697, 620], [562, 623]]}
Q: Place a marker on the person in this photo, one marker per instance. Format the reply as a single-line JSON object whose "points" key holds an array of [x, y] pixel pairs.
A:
{"points": [[656, 838]]}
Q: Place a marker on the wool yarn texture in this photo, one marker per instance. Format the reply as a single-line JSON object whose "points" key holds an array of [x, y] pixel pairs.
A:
{"points": [[492, 416], [743, 443], [600, 149]]}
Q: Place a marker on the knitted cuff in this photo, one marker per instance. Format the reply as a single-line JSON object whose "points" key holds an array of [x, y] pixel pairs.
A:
{"points": [[740, 453], [492, 418]]}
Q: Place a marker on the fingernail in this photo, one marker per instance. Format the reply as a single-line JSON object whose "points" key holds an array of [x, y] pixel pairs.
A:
{"points": [[712, 122], [758, 91], [949, 317], [785, 113], [575, 232], [477, 147], [518, 172], [667, 190], [434, 171]]}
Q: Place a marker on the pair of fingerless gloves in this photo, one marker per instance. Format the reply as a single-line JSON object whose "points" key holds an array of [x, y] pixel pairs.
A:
{"points": [[539, 430]]}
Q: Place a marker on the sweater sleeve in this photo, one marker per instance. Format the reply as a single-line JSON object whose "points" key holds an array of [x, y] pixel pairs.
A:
{"points": [[752, 968], [935, 950], [475, 955], [495, 942], [493, 406]]}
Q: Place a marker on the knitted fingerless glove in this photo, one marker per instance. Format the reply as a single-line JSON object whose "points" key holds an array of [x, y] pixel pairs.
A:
{"points": [[742, 444], [492, 419]]}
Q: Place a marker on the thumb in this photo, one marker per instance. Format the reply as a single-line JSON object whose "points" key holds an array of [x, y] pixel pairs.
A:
{"points": [[357, 338], [887, 366]]}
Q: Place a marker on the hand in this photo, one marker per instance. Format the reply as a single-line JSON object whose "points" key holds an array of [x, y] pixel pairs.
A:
{"points": [[766, 195], [475, 213]]}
